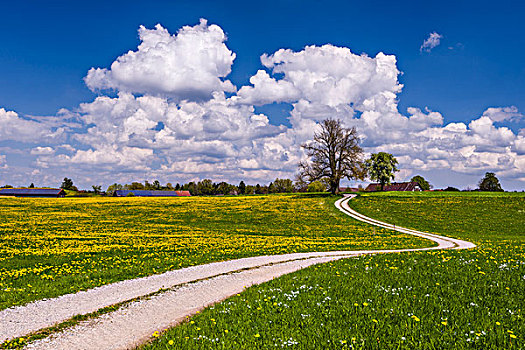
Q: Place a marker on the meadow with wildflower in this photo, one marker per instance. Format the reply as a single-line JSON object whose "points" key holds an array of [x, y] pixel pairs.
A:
{"points": [[51, 247], [450, 299]]}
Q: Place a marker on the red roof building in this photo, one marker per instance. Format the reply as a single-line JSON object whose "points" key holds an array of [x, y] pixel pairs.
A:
{"points": [[395, 186], [183, 193]]}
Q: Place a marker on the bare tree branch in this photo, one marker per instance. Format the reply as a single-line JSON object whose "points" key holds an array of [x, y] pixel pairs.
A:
{"points": [[334, 154]]}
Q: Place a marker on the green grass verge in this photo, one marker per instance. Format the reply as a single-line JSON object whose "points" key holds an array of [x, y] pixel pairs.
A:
{"points": [[50, 247], [468, 299], [477, 216]]}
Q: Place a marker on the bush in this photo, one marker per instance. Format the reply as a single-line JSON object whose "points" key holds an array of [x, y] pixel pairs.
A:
{"points": [[316, 186]]}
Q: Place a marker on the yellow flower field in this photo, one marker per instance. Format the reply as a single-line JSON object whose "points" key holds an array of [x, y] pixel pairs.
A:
{"points": [[50, 247]]}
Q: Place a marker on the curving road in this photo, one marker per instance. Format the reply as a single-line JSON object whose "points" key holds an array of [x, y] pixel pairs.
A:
{"points": [[184, 292], [442, 241]]}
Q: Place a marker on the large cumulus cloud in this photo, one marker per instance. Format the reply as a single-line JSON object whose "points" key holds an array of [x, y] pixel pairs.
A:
{"points": [[326, 75], [190, 64], [176, 117]]}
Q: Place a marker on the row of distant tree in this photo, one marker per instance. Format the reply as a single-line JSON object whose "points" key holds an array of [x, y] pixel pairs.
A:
{"points": [[208, 187]]}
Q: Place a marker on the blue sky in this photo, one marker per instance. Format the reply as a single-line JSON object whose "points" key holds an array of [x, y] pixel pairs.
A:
{"points": [[47, 48]]}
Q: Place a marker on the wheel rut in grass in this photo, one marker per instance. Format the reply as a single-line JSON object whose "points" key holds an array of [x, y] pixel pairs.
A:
{"points": [[187, 291]]}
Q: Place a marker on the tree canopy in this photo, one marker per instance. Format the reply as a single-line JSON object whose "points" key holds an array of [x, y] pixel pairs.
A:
{"points": [[381, 168], [67, 184], [425, 186], [242, 187], [334, 154], [283, 186], [490, 183]]}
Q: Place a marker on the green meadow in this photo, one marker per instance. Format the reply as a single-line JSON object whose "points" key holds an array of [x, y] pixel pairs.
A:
{"points": [[451, 299]]}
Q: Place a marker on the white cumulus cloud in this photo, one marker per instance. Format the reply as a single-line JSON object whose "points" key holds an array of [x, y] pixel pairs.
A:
{"points": [[500, 114], [332, 75], [188, 65]]}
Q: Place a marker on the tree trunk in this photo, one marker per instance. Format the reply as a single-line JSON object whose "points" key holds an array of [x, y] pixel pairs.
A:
{"points": [[334, 186]]}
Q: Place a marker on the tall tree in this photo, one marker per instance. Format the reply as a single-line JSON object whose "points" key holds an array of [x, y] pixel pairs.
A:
{"points": [[156, 185], [224, 188], [490, 183], [190, 186], [425, 186], [205, 187], [283, 185], [381, 168], [96, 189], [112, 188], [334, 154], [242, 187], [67, 184]]}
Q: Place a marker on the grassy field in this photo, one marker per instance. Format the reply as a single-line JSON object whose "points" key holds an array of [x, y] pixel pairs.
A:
{"points": [[50, 247], [422, 300], [479, 216]]}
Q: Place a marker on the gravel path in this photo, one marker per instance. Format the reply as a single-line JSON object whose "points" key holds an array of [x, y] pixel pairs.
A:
{"points": [[129, 327], [191, 289]]}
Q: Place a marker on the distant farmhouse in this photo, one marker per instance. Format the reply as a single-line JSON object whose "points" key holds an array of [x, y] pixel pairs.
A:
{"points": [[146, 193], [395, 186], [33, 192]]}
